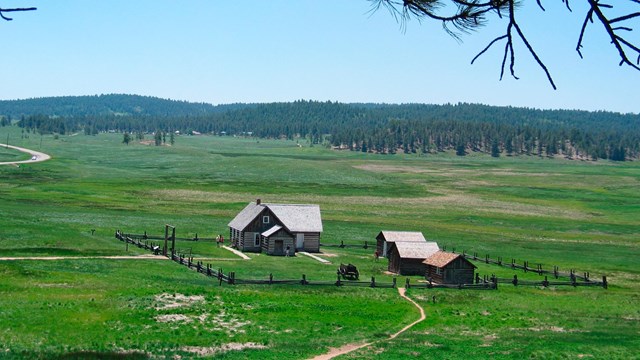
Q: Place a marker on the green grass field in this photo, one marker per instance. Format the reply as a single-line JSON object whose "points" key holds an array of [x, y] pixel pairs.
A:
{"points": [[577, 215]]}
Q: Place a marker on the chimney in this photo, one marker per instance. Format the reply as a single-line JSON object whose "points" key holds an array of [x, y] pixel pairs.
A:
{"points": [[258, 201]]}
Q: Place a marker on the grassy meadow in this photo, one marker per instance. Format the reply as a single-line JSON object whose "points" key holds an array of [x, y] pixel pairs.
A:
{"points": [[576, 215]]}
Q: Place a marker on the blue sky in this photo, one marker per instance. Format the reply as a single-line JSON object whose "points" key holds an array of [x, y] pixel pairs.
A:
{"points": [[220, 52]]}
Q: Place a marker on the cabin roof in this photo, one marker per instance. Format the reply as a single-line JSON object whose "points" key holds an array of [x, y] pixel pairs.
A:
{"points": [[442, 258], [406, 236], [246, 216], [416, 250], [272, 231], [298, 217], [294, 217]]}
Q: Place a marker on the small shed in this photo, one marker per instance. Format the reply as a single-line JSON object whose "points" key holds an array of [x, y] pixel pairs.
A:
{"points": [[449, 268], [385, 238], [406, 258], [276, 240]]}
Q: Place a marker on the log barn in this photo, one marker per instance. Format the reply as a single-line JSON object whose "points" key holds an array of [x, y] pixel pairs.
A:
{"points": [[385, 238], [272, 228], [449, 268], [407, 258]]}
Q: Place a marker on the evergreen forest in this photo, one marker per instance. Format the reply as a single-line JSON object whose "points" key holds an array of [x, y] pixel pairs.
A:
{"points": [[379, 128]]}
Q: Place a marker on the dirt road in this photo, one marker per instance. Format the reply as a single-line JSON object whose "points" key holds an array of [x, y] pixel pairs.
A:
{"points": [[36, 156]]}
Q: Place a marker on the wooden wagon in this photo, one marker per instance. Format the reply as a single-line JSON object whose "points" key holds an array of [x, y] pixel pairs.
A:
{"points": [[349, 271]]}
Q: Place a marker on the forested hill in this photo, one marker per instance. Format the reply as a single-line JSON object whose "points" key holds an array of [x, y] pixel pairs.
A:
{"points": [[380, 128], [112, 104]]}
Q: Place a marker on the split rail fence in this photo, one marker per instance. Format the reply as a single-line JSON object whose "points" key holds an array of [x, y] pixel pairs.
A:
{"points": [[230, 277], [573, 278]]}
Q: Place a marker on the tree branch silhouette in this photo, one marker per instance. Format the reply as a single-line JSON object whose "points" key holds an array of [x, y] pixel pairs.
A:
{"points": [[3, 11], [465, 16]]}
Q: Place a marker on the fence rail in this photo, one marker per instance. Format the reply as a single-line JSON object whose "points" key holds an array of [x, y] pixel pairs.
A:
{"points": [[484, 283], [525, 266], [146, 236]]}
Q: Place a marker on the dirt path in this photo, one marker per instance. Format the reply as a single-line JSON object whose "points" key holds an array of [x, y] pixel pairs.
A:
{"points": [[36, 156], [123, 257], [333, 352], [239, 253]]}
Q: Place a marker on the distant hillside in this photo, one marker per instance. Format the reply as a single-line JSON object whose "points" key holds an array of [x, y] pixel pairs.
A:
{"points": [[379, 128], [112, 104]]}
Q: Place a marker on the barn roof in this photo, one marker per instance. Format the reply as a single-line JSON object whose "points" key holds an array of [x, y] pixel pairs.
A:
{"points": [[416, 250], [407, 236], [294, 217], [271, 231], [442, 258]]}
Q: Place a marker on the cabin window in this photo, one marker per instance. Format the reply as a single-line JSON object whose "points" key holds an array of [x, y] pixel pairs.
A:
{"points": [[265, 219], [256, 239], [438, 271]]}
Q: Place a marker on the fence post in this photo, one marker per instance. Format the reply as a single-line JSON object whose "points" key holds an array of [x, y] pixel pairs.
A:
{"points": [[500, 260], [373, 282], [338, 282], [526, 265], [513, 263], [270, 278], [555, 271], [486, 258], [477, 278], [494, 280], [406, 284], [515, 280], [341, 243], [394, 283], [304, 280], [545, 283], [604, 282], [366, 246]]}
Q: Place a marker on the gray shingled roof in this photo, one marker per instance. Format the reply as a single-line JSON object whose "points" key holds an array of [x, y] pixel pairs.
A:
{"points": [[298, 218], [294, 217], [246, 216], [416, 250], [407, 236]]}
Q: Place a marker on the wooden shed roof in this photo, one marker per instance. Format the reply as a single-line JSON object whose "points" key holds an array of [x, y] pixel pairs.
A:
{"points": [[294, 217], [416, 250], [406, 236], [272, 231], [442, 258]]}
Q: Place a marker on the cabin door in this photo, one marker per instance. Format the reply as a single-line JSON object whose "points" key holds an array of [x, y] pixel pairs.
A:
{"points": [[299, 241], [278, 247]]}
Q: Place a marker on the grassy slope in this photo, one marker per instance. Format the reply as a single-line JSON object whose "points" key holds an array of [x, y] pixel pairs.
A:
{"points": [[571, 214]]}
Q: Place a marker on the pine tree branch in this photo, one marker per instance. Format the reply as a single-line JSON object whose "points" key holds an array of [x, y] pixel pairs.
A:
{"points": [[2, 11]]}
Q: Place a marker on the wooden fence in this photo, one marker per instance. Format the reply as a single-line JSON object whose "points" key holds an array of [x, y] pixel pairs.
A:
{"points": [[146, 236], [365, 245], [230, 277], [481, 283]]}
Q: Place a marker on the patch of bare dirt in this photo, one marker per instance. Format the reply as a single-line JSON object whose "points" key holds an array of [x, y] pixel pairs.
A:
{"points": [[207, 351], [173, 318], [171, 301]]}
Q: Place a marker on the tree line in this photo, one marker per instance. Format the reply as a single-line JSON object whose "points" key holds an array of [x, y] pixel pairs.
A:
{"points": [[378, 128]]}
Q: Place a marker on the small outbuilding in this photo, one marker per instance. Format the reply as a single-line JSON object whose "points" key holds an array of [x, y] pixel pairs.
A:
{"points": [[273, 228], [406, 258], [449, 268], [385, 238]]}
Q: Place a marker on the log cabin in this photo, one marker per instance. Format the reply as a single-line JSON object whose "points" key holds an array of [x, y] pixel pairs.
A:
{"points": [[407, 258], [449, 268], [274, 228], [385, 238]]}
